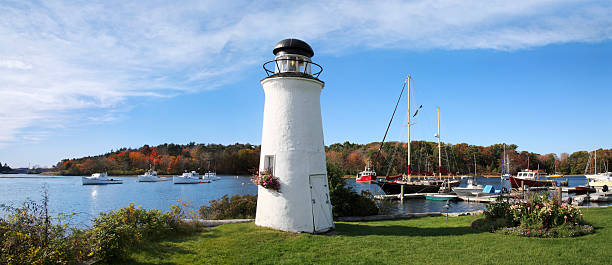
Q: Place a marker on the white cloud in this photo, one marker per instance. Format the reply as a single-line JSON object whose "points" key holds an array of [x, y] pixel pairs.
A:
{"points": [[58, 58]]}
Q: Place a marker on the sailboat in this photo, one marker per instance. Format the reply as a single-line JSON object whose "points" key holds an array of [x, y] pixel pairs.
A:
{"points": [[402, 184], [441, 197], [599, 181], [505, 172]]}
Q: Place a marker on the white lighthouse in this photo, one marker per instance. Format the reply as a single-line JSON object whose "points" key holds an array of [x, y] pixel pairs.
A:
{"points": [[292, 147]]}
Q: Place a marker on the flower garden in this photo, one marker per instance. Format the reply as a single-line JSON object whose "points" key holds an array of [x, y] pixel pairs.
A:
{"points": [[539, 216]]}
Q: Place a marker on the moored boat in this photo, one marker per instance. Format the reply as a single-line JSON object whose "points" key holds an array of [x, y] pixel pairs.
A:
{"points": [[188, 178], [441, 197], [150, 176], [100, 179], [471, 189], [366, 176], [395, 186], [530, 178]]}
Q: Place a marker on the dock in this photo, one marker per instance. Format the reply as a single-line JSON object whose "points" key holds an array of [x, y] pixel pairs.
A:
{"points": [[484, 199]]}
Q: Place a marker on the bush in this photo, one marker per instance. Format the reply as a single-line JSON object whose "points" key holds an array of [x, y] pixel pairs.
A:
{"points": [[236, 207], [539, 216], [28, 236], [115, 231], [345, 201]]}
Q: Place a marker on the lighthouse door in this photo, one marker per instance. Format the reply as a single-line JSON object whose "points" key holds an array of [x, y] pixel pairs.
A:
{"points": [[321, 204]]}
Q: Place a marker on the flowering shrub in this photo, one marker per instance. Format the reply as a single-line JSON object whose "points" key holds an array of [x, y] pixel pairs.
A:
{"points": [[265, 179], [539, 216]]}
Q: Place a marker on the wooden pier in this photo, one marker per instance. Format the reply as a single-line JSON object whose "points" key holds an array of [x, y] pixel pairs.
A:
{"points": [[485, 199]]}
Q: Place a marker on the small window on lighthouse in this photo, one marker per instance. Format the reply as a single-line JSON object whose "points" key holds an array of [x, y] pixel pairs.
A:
{"points": [[269, 163]]}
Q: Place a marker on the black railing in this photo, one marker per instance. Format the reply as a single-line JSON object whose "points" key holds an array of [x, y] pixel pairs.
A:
{"points": [[307, 65]]}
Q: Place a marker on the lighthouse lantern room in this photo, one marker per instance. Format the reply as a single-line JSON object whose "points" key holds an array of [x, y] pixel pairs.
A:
{"points": [[292, 146]]}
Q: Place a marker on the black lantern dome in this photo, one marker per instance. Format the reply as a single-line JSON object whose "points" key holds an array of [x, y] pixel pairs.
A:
{"points": [[293, 46]]}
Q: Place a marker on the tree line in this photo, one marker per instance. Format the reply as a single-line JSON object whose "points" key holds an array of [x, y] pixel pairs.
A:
{"points": [[349, 157]]}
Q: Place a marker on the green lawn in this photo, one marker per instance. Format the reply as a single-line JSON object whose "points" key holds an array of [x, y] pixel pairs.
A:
{"points": [[427, 240]]}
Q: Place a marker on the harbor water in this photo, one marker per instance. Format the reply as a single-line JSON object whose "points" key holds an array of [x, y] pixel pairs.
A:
{"points": [[67, 194]]}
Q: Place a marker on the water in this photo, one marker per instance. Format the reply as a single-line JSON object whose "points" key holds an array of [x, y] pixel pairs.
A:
{"points": [[420, 205], [68, 195]]}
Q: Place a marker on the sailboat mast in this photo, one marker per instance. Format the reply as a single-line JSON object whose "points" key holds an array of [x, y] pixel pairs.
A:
{"points": [[595, 162], [439, 147], [409, 171], [503, 161], [474, 164]]}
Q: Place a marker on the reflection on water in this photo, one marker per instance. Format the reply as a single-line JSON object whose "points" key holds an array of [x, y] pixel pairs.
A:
{"points": [[68, 195]]}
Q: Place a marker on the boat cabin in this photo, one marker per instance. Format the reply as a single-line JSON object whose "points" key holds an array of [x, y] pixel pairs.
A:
{"points": [[366, 176], [529, 174]]}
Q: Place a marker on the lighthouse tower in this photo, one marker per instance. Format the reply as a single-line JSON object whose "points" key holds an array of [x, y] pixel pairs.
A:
{"points": [[292, 147]]}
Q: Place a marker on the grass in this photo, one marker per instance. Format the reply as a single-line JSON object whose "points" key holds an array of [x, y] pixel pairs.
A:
{"points": [[429, 240]]}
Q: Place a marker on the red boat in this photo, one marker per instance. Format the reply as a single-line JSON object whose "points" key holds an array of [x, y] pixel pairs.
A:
{"points": [[366, 176], [530, 178]]}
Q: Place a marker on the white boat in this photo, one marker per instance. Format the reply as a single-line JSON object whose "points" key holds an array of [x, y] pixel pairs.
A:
{"points": [[602, 181], [150, 176], [471, 189], [211, 176], [188, 178], [100, 179]]}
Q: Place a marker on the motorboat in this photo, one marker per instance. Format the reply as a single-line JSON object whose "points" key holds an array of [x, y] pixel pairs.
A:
{"points": [[188, 178], [441, 197], [100, 179], [366, 176], [598, 176], [471, 188], [211, 176], [530, 178], [150, 176], [601, 182]]}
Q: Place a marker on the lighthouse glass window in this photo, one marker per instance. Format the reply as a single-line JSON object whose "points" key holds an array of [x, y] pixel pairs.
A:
{"points": [[292, 64], [269, 164]]}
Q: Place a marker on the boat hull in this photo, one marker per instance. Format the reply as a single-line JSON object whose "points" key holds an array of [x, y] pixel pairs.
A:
{"points": [[584, 190], [182, 180], [88, 181], [142, 178], [364, 179], [441, 197], [467, 191], [391, 187], [515, 182]]}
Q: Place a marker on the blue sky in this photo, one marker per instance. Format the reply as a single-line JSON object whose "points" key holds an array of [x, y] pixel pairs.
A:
{"points": [[81, 79]]}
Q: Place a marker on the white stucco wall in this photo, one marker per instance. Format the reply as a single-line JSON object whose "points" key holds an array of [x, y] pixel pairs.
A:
{"points": [[293, 133]]}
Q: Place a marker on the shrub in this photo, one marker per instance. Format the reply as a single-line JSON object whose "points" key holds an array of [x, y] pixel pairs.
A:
{"points": [[236, 207], [345, 201], [539, 216], [114, 232], [28, 236]]}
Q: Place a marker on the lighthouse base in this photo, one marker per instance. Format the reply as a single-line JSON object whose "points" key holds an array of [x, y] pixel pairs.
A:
{"points": [[301, 210]]}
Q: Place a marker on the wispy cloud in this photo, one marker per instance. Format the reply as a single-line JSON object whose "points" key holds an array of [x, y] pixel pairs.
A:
{"points": [[58, 58]]}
